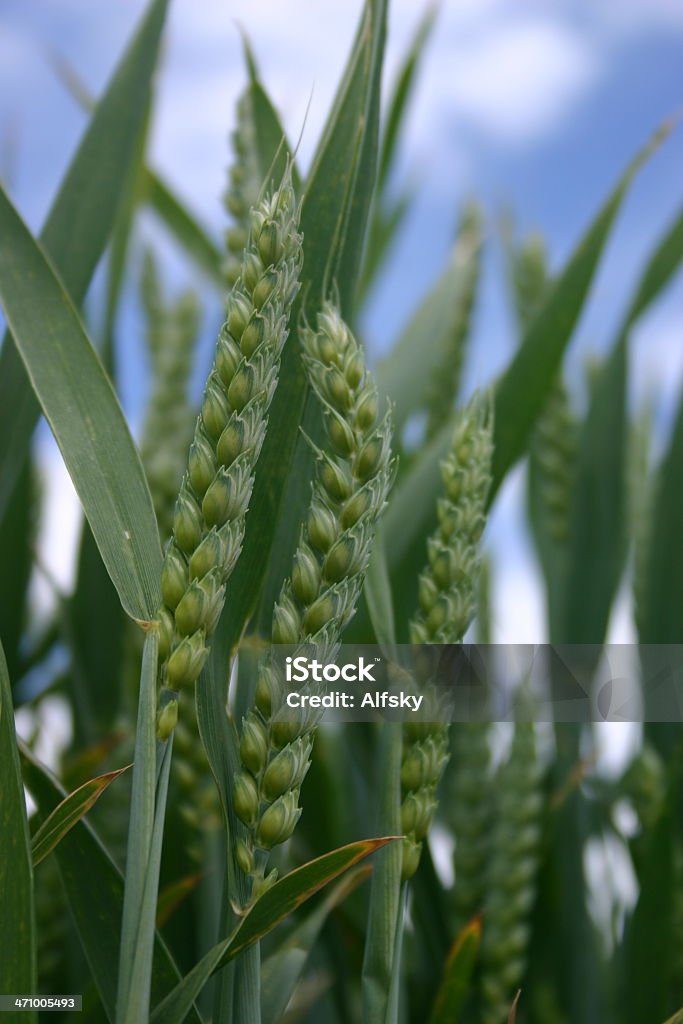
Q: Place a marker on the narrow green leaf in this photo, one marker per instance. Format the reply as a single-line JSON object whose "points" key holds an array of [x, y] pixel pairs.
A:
{"points": [[650, 938], [276, 904], [333, 221], [17, 917], [676, 1019], [437, 327], [97, 628], [457, 976], [184, 226], [81, 220], [140, 989], [662, 265], [378, 596], [599, 527], [168, 207], [281, 972], [381, 960], [538, 358], [141, 860], [118, 248], [83, 412], [17, 533], [662, 604], [68, 813], [175, 893], [271, 145], [94, 889], [402, 92], [597, 545]]}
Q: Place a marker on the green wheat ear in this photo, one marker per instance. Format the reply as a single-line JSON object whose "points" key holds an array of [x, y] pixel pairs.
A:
{"points": [[243, 188], [511, 875], [353, 475], [447, 602], [209, 518], [172, 329]]}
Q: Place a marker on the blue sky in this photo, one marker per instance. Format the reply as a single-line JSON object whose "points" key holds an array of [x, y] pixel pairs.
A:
{"points": [[533, 105]]}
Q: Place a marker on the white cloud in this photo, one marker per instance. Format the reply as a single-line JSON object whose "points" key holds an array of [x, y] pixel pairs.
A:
{"points": [[516, 81]]}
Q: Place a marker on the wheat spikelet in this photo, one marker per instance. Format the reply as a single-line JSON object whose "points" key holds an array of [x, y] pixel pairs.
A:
{"points": [[444, 383]]}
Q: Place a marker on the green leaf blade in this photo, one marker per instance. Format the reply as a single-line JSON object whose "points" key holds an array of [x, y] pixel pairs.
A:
{"points": [[276, 903], [81, 220], [457, 977], [18, 959], [539, 356], [84, 414], [68, 813]]}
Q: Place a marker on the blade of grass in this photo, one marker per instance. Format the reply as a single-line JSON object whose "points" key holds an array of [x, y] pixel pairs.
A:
{"points": [[274, 906], [96, 631], [142, 858], [388, 214], [402, 92], [84, 415], [282, 970], [387, 893], [17, 534], [17, 912], [68, 813], [140, 988], [598, 543], [183, 226], [457, 975], [650, 936], [81, 220], [167, 206], [539, 356], [406, 373], [94, 889]]}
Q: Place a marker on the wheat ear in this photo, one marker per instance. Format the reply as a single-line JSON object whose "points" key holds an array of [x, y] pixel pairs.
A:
{"points": [[447, 601], [172, 329], [243, 188], [209, 519], [353, 475], [511, 875]]}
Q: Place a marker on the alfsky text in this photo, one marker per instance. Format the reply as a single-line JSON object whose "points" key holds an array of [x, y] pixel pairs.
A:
{"points": [[339, 699]]}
